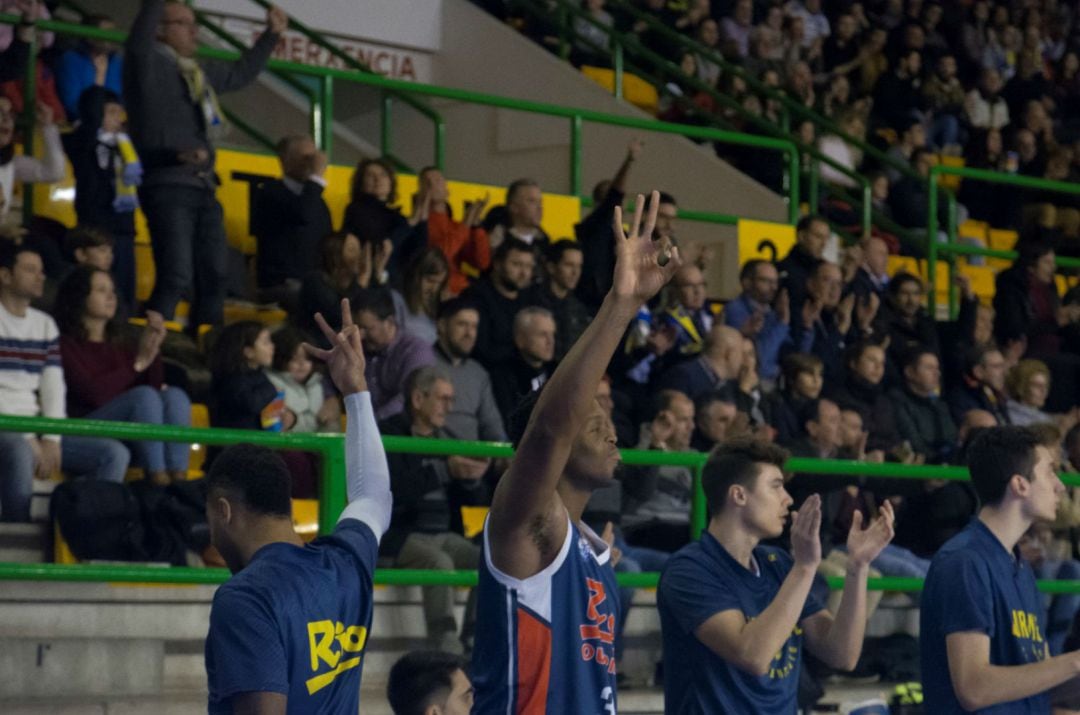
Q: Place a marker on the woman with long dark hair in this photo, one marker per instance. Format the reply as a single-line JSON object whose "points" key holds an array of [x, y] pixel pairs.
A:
{"points": [[425, 282], [373, 215], [109, 378], [346, 271]]}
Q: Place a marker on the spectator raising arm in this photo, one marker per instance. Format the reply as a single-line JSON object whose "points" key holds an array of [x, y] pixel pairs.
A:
{"points": [[528, 513]]}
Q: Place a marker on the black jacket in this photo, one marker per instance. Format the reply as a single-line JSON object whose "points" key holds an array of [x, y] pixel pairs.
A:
{"points": [[1013, 311], [876, 410], [289, 228], [925, 423], [571, 315], [512, 380], [598, 251], [795, 270], [495, 333]]}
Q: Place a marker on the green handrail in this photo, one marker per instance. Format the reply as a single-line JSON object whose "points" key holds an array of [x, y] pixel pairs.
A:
{"points": [[951, 248], [575, 115]]}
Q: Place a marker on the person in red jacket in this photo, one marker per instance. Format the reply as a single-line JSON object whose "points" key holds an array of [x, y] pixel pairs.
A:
{"points": [[111, 379], [462, 242]]}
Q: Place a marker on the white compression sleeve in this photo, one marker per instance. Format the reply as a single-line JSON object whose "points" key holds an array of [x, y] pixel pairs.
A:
{"points": [[367, 474]]}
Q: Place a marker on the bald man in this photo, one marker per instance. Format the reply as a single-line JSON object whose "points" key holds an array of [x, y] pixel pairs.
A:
{"points": [[718, 365]]}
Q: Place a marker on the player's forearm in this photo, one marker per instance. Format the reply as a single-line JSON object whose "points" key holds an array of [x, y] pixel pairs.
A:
{"points": [[764, 636], [843, 643], [367, 472], [995, 684]]}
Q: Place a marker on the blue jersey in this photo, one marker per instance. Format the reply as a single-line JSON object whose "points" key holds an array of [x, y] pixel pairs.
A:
{"points": [[699, 581], [546, 644], [974, 584], [295, 621]]}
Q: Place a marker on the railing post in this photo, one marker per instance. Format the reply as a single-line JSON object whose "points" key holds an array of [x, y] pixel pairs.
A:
{"points": [[931, 242], [794, 163], [564, 45], [813, 189], [700, 509], [29, 121], [332, 488], [953, 268], [867, 207], [385, 136], [617, 65], [575, 155]]}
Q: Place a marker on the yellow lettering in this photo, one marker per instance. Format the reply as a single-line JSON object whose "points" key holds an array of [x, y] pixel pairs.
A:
{"points": [[321, 640], [353, 639], [319, 682], [322, 636]]}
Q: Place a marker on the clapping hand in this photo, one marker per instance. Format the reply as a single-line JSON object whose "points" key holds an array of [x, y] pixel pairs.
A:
{"points": [[345, 359], [150, 341], [805, 533], [864, 545], [640, 269]]}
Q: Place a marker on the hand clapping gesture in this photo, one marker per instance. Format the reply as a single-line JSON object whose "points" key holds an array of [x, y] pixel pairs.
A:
{"points": [[864, 545]]}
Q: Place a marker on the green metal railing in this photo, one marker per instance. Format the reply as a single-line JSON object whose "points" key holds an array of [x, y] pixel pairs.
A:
{"points": [[332, 497], [951, 248], [576, 117]]}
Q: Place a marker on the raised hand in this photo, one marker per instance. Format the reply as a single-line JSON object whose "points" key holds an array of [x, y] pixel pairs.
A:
{"points": [[150, 341], [633, 149], [276, 20], [864, 545], [640, 269], [805, 533], [345, 359]]}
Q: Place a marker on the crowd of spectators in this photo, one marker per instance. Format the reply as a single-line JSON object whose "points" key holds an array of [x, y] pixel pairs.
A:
{"points": [[464, 317]]}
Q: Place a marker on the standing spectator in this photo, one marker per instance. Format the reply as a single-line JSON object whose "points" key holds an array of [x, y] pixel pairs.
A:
{"points": [[530, 365], [346, 272], [107, 172], [944, 97], [109, 379], [474, 414], [26, 169], [922, 417], [839, 150], [708, 35], [499, 296], [92, 63], [873, 61], [175, 121], [768, 36], [907, 324], [754, 315], [811, 235], [15, 57], [429, 491], [984, 106], [873, 273], [983, 386], [863, 390], [594, 232], [391, 353], [32, 384], [563, 262], [897, 94], [817, 25], [738, 27], [692, 313], [591, 38], [373, 216], [840, 53], [424, 286], [462, 242], [289, 219], [833, 320], [718, 365], [520, 217], [294, 375]]}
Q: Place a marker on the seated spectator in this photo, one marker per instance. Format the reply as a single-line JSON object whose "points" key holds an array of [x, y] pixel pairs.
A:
{"points": [[91, 63], [530, 365], [422, 680], [840, 52], [987, 202], [863, 390], [738, 27], [499, 296], [834, 321], [911, 136], [692, 313], [391, 354], [345, 273], [874, 61], [294, 375], [594, 232], [373, 216], [873, 273], [716, 367], [429, 491], [1028, 384], [750, 397], [107, 171], [944, 97], [25, 169], [715, 419], [909, 200], [243, 396], [461, 242], [1028, 84], [656, 507], [905, 322], [822, 431], [32, 384], [853, 438], [802, 382], [983, 386], [590, 40], [109, 378], [922, 417], [563, 262], [817, 24], [767, 39], [520, 217], [811, 235], [290, 219], [424, 286], [897, 94], [840, 151], [708, 35], [474, 414], [984, 106], [754, 315]]}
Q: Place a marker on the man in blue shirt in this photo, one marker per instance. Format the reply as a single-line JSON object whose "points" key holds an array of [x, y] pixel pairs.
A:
{"points": [[982, 624], [753, 314], [288, 630], [735, 614]]}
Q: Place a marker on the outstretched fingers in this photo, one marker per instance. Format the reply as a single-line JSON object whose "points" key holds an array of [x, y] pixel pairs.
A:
{"points": [[650, 217], [327, 331], [316, 353]]}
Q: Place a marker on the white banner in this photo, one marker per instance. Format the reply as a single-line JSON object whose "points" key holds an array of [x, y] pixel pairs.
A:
{"points": [[414, 24], [393, 62]]}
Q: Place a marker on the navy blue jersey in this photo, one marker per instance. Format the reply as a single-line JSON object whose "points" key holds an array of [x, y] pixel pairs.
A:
{"points": [[699, 581], [295, 621], [975, 584], [546, 644]]}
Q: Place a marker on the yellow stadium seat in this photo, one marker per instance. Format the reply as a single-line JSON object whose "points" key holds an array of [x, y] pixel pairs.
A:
{"points": [[305, 516], [270, 317], [1002, 239], [950, 181], [636, 91], [144, 271], [472, 519], [905, 264], [61, 552], [973, 229], [200, 415]]}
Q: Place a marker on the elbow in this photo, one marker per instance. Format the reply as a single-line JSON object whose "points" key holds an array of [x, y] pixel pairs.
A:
{"points": [[970, 695]]}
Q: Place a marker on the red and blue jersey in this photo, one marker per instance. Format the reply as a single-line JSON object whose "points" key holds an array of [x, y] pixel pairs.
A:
{"points": [[546, 644]]}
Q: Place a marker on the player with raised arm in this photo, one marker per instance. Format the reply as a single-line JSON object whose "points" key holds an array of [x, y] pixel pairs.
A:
{"points": [[288, 630], [547, 593]]}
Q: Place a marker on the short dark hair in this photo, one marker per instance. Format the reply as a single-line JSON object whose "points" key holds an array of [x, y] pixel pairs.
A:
{"points": [[378, 301], [807, 221], [854, 352], [737, 461], [663, 400], [811, 411], [10, 250], [666, 198], [706, 399], [976, 354], [517, 185], [227, 348], [509, 245], [286, 340], [1029, 252], [900, 280], [452, 307], [795, 364], [85, 237], [256, 476], [555, 250], [417, 678], [749, 269], [911, 356], [997, 454]]}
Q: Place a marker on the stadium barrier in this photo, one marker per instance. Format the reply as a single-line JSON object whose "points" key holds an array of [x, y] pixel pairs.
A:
{"points": [[332, 497]]}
